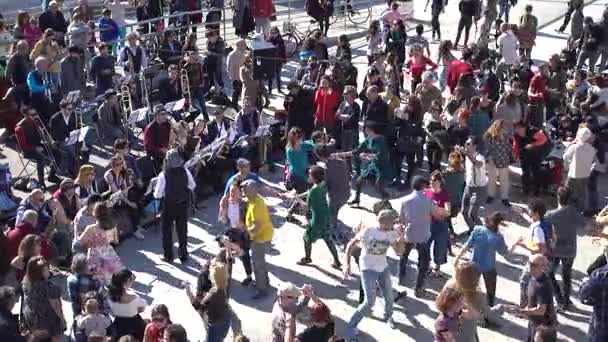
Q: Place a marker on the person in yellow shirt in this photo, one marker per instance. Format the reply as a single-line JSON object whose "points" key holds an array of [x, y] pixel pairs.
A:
{"points": [[259, 226]]}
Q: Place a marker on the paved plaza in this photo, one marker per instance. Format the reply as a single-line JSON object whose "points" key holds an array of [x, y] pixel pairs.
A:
{"points": [[160, 282]]}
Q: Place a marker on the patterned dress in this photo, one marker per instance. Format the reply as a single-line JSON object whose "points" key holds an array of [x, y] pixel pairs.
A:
{"points": [[37, 311], [101, 255]]}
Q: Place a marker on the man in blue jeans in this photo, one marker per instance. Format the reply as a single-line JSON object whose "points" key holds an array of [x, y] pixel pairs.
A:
{"points": [[416, 213], [374, 243]]}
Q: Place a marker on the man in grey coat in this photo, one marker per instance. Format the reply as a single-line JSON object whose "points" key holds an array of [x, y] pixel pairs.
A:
{"points": [[72, 71]]}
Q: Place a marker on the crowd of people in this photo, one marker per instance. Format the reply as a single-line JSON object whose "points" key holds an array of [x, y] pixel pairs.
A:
{"points": [[470, 119]]}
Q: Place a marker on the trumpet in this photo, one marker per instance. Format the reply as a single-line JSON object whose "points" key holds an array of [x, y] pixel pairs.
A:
{"points": [[47, 141], [185, 83]]}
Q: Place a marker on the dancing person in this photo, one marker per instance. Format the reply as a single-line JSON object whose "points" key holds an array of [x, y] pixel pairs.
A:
{"points": [[319, 225], [371, 162], [374, 242], [476, 182], [484, 242], [415, 214], [213, 307], [567, 221]]}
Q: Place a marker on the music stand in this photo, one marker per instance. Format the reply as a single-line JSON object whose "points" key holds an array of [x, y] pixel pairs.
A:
{"points": [[73, 97]]}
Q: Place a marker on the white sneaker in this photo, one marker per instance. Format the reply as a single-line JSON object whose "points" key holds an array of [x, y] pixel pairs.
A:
{"points": [[139, 234]]}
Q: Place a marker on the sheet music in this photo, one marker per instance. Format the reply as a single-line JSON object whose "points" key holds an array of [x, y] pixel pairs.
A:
{"points": [[169, 106], [73, 138], [262, 131], [137, 115], [179, 105], [77, 135]]}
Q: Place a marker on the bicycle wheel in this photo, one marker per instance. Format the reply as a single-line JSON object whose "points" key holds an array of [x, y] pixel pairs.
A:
{"points": [[292, 44], [360, 18]]}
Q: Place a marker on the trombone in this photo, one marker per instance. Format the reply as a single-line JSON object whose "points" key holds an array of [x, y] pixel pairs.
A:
{"points": [[185, 83], [125, 101]]}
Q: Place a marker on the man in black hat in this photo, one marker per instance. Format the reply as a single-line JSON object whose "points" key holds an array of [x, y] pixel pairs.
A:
{"points": [[111, 121], [72, 71]]}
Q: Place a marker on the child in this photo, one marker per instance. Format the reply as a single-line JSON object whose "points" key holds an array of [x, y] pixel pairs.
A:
{"points": [[235, 239], [155, 330], [450, 304], [92, 322], [318, 226], [109, 30]]}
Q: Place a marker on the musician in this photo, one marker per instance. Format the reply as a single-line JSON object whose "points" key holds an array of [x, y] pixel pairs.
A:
{"points": [[170, 49], [38, 89], [133, 57], [156, 136], [30, 143], [60, 126], [170, 88], [216, 128], [102, 70], [72, 71], [197, 79], [174, 185], [111, 121], [47, 47], [17, 68]]}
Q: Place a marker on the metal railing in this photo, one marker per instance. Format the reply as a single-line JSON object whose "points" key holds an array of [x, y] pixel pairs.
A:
{"points": [[285, 11]]}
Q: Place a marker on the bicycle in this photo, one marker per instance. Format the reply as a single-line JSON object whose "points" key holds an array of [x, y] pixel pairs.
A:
{"points": [[294, 38], [346, 9]]}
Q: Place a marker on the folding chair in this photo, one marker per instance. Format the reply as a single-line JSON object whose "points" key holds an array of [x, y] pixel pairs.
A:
{"points": [[24, 164]]}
